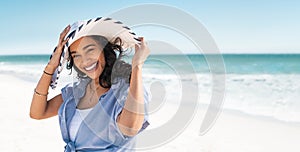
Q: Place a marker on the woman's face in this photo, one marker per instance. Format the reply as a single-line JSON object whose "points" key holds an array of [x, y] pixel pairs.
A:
{"points": [[88, 57]]}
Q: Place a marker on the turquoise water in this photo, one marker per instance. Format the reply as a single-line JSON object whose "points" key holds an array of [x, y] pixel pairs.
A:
{"points": [[23, 59], [243, 64], [234, 63]]}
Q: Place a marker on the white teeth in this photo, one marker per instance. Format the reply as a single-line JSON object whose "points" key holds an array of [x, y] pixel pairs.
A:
{"points": [[91, 67]]}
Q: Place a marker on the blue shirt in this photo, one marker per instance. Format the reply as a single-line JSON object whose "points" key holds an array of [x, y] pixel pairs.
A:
{"points": [[99, 130]]}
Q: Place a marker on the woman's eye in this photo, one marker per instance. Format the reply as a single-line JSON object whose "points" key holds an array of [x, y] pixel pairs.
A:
{"points": [[90, 50], [76, 56]]}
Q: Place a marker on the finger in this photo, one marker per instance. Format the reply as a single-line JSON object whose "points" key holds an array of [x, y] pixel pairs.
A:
{"points": [[65, 41], [66, 30], [61, 45], [64, 33], [143, 41], [136, 47]]}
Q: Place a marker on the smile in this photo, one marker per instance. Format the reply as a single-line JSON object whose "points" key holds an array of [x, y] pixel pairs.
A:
{"points": [[92, 67]]}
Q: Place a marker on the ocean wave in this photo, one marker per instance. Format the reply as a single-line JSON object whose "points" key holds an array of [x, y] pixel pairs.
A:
{"points": [[26, 72], [266, 95]]}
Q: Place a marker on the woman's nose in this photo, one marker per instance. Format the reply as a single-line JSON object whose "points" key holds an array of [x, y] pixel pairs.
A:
{"points": [[85, 60]]}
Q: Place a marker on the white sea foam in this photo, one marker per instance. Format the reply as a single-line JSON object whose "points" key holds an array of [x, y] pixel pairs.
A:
{"points": [[267, 95], [29, 72]]}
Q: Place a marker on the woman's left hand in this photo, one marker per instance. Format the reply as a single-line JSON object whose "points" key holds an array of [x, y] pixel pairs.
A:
{"points": [[141, 53]]}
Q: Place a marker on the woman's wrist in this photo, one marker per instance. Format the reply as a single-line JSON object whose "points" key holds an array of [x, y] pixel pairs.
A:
{"points": [[136, 69], [137, 65], [49, 69]]}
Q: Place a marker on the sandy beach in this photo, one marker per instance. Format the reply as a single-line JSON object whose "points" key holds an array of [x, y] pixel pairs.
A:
{"points": [[18, 131], [232, 132]]}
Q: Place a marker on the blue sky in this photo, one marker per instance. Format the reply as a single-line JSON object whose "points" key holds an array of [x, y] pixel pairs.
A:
{"points": [[268, 26]]}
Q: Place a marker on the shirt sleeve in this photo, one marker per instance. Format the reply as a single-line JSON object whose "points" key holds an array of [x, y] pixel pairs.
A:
{"points": [[67, 92], [74, 90], [118, 107]]}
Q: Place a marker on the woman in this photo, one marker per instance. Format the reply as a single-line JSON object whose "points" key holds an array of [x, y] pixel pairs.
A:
{"points": [[107, 107]]}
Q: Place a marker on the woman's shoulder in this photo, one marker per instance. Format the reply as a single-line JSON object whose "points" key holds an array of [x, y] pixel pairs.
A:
{"points": [[120, 83], [75, 88]]}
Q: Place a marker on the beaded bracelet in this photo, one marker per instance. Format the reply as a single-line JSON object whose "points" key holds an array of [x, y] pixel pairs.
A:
{"points": [[48, 73], [40, 94]]}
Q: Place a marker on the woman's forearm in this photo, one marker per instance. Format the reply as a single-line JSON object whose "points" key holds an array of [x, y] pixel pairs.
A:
{"points": [[39, 99], [132, 115]]}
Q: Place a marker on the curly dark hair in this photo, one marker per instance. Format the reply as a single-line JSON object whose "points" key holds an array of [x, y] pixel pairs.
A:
{"points": [[114, 68]]}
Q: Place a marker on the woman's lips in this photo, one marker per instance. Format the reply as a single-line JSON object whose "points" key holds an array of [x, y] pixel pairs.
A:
{"points": [[91, 68]]}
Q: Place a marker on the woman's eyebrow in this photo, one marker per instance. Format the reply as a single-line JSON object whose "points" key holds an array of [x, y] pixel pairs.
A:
{"points": [[72, 52], [88, 46], [84, 48]]}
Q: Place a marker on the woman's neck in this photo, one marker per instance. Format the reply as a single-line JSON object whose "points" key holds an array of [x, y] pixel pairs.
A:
{"points": [[95, 85]]}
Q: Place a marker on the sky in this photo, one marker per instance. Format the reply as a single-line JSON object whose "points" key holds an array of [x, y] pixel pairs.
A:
{"points": [[256, 26]]}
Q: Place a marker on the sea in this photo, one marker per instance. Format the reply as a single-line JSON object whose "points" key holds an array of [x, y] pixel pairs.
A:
{"points": [[266, 85]]}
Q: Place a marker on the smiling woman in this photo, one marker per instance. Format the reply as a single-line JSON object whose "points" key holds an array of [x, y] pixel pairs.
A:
{"points": [[87, 48], [101, 111], [105, 57]]}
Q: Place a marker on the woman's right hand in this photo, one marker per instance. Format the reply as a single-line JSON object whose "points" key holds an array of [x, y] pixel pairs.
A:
{"points": [[55, 59]]}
